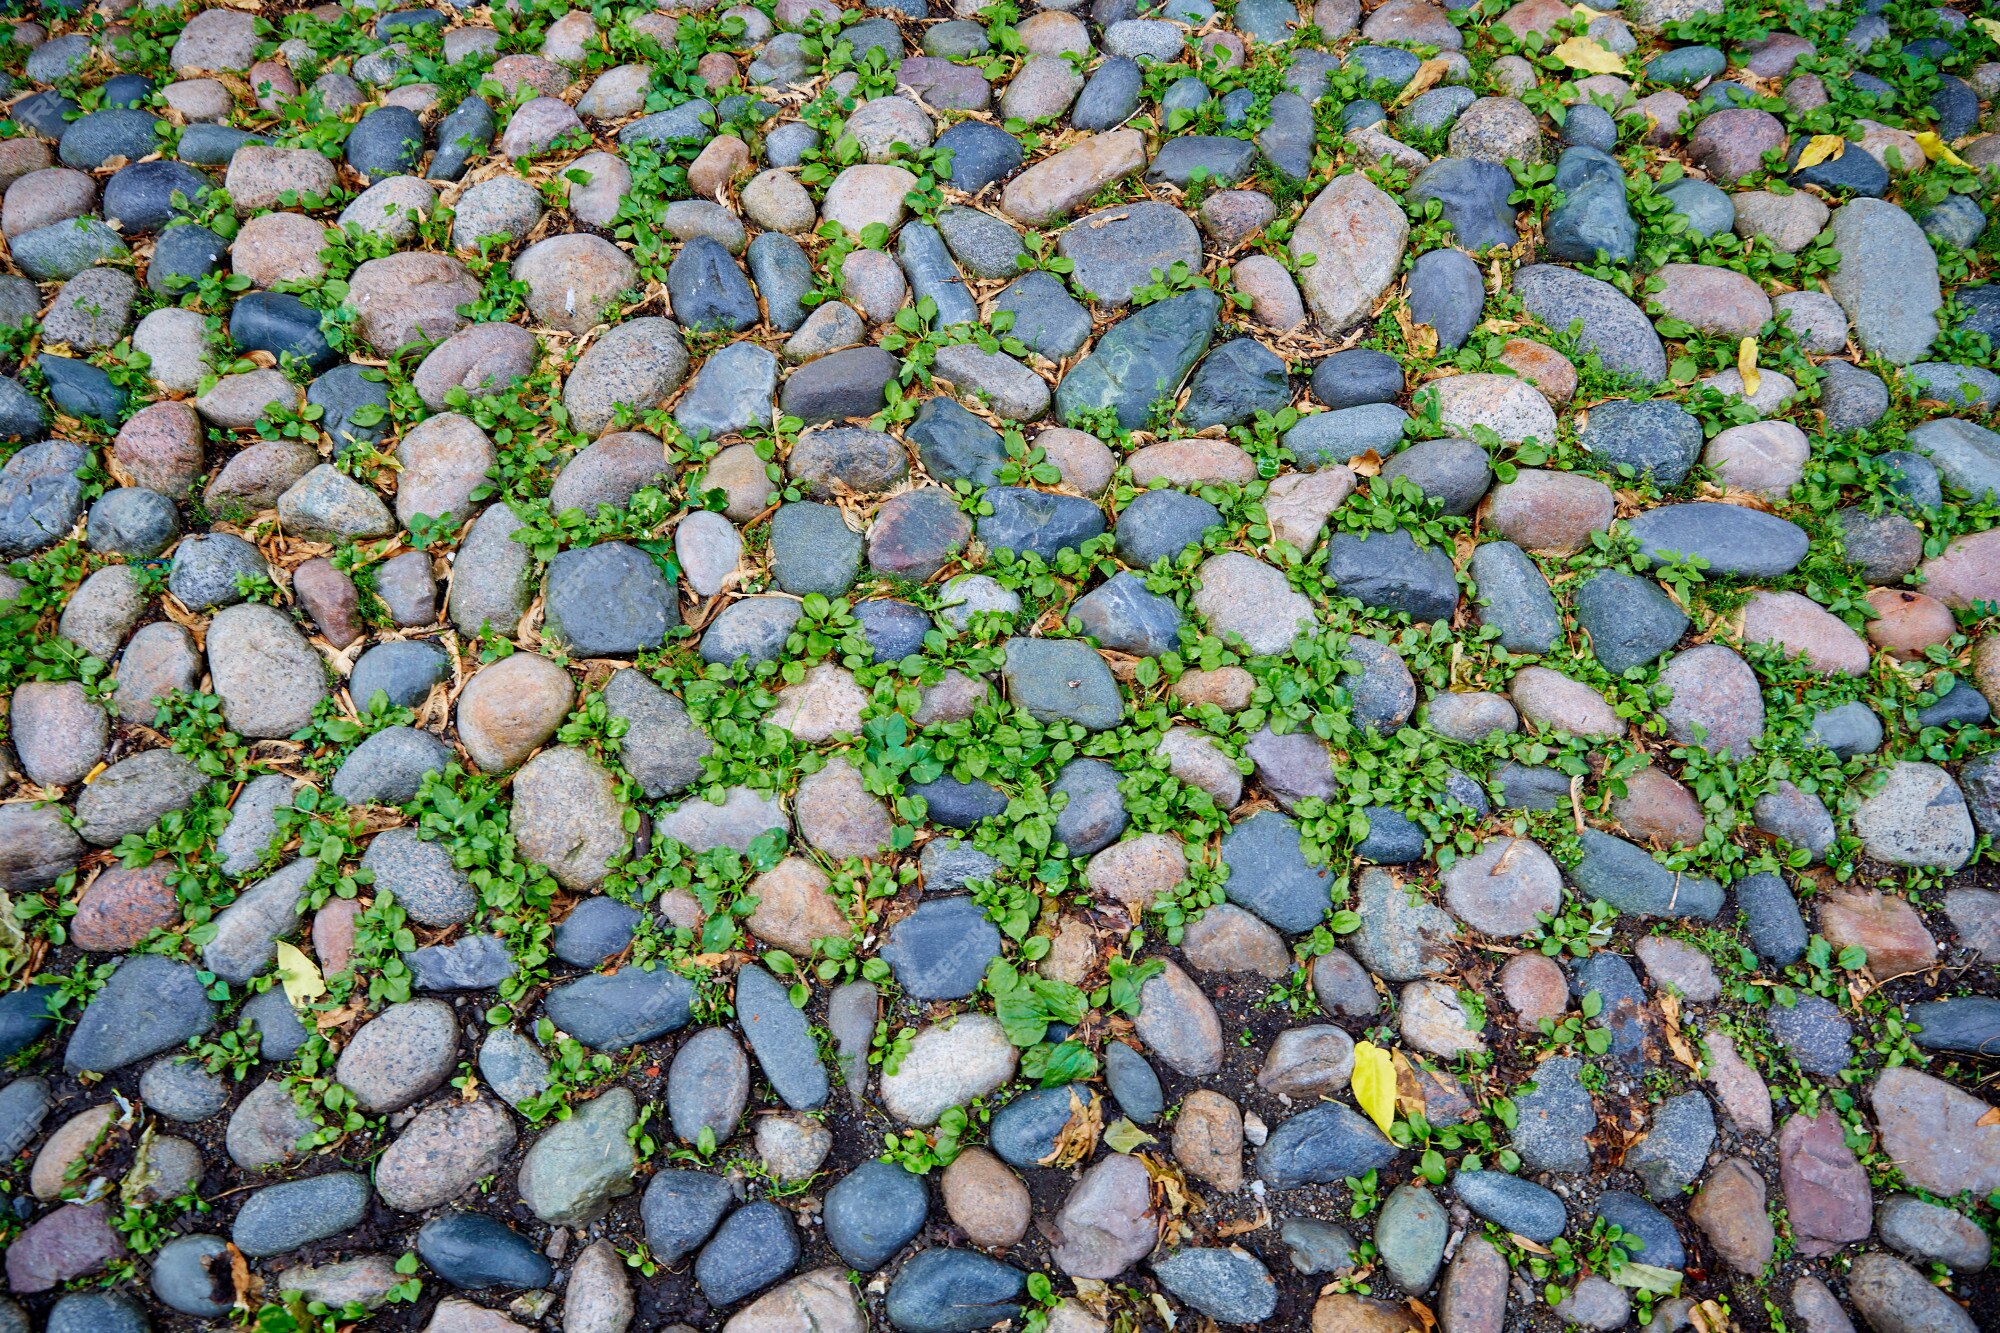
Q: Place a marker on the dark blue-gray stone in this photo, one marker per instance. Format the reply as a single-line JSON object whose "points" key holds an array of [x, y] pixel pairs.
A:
{"points": [[612, 600], [943, 1290], [1963, 1025], [783, 273], [1516, 598], [1229, 1286], [150, 1004], [280, 1218], [1732, 538], [205, 145], [1588, 125], [96, 1311], [1326, 438], [894, 630], [676, 125], [1956, 219], [1777, 929], [133, 522], [183, 1279], [1023, 1133], [1852, 398], [958, 805], [461, 136], [1214, 159], [780, 1039], [1813, 1030], [1388, 571], [282, 324], [874, 1211], [1708, 210], [1960, 706], [25, 1018], [1062, 680], [1626, 876], [1047, 319], [954, 445], [754, 627], [1518, 1205], [1184, 94], [1657, 1242], [1617, 985], [932, 272], [1456, 473], [1287, 142], [1523, 787], [847, 383], [1361, 113], [1394, 839], [1133, 1083], [1848, 730], [403, 671], [1631, 620], [1436, 110], [46, 113], [1094, 816], [1110, 95], [1383, 694], [1124, 616], [1967, 388], [1610, 325], [1356, 377], [708, 290], [1685, 66], [1160, 524], [981, 154], [1140, 360], [1234, 383], [22, 415], [1592, 218], [1854, 172], [1384, 65], [1472, 196], [472, 1252], [1447, 293], [1321, 1146], [680, 1210], [813, 549], [389, 767], [1553, 1120], [610, 1013], [81, 389], [140, 197], [98, 136], [1270, 876], [950, 864], [61, 250], [468, 963], [1042, 522], [387, 141], [597, 929], [207, 566], [1650, 436], [940, 951], [183, 255], [755, 1247]]}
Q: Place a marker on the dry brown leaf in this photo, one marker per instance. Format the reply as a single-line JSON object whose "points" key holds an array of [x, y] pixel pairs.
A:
{"points": [[247, 1286], [1670, 1010], [1365, 465], [1422, 1312], [1423, 80], [1992, 1117], [1078, 1138], [1422, 338], [1527, 1244], [1409, 1088], [1708, 1317], [1245, 1225]]}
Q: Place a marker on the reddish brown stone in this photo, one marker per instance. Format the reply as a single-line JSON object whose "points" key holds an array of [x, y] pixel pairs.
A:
{"points": [[1730, 1211], [1535, 987], [1658, 810], [330, 597], [160, 448], [1541, 365], [70, 1242], [1888, 930], [1908, 622], [1826, 1190], [333, 934], [122, 907]]}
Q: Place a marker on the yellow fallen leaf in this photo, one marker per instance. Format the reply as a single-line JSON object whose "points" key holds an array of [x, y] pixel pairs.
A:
{"points": [[1590, 56], [1746, 365], [302, 979], [1820, 148], [1374, 1083], [1124, 1136], [1991, 27], [1936, 150]]}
